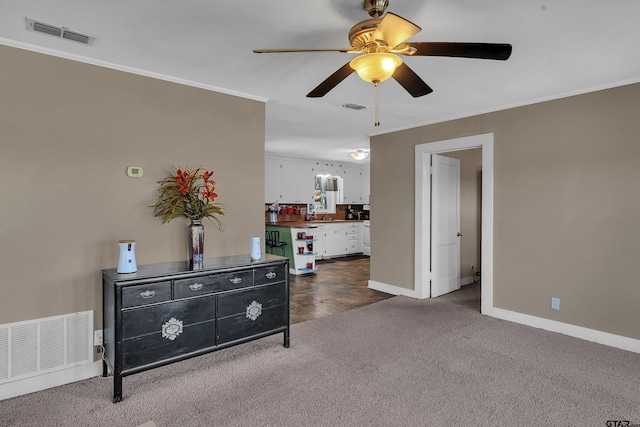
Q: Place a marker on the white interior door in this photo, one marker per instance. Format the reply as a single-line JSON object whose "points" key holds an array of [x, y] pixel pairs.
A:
{"points": [[445, 225]]}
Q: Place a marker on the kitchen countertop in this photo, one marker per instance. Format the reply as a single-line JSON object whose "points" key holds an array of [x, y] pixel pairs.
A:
{"points": [[310, 224]]}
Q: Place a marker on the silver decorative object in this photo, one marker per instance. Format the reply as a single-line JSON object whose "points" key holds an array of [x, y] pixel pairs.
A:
{"points": [[172, 328], [147, 294], [254, 310], [196, 245]]}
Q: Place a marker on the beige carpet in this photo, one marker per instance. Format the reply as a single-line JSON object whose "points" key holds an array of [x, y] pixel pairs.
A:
{"points": [[399, 362]]}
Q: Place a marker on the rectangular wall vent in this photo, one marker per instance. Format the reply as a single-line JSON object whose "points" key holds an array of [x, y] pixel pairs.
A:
{"points": [[40, 346], [62, 32]]}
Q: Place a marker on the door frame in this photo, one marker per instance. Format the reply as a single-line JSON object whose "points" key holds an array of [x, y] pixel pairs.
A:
{"points": [[423, 152]]}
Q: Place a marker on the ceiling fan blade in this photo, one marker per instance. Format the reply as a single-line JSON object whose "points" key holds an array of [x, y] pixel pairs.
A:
{"points": [[332, 81], [394, 29], [409, 80], [349, 50], [500, 51]]}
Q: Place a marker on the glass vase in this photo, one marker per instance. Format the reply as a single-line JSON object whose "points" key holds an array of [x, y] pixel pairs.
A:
{"points": [[196, 244]]}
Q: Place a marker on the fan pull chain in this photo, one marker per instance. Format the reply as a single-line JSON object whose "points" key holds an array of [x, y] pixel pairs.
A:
{"points": [[377, 119]]}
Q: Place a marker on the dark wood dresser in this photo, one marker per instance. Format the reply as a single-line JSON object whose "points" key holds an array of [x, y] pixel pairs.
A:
{"points": [[165, 313]]}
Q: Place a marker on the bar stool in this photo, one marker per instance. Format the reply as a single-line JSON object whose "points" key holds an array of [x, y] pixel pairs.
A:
{"points": [[272, 239]]}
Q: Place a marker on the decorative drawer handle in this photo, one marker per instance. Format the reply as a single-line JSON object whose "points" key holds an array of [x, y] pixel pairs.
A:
{"points": [[236, 280], [172, 328], [195, 286], [147, 294], [254, 310], [271, 275]]}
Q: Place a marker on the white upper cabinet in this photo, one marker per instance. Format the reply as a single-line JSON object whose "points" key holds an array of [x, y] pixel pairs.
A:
{"points": [[352, 176], [292, 180], [324, 168], [288, 180], [272, 179], [366, 184], [297, 181]]}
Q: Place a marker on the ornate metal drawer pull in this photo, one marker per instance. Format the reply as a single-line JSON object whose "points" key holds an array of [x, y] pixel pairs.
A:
{"points": [[195, 286], [254, 310], [147, 294], [236, 280], [171, 329], [271, 275]]}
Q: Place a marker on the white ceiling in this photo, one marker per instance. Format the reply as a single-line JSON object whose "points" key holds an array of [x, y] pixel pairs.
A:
{"points": [[560, 47]]}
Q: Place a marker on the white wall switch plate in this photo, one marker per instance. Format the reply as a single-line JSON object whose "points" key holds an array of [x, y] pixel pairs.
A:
{"points": [[97, 337], [555, 303]]}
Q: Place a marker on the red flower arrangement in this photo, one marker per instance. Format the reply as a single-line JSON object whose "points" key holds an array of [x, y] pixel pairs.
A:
{"points": [[190, 194]]}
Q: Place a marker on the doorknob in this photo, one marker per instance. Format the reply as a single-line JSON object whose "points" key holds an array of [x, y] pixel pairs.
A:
{"points": [[459, 234]]}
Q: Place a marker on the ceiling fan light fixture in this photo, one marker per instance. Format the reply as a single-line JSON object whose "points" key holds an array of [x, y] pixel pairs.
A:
{"points": [[359, 154], [375, 67]]}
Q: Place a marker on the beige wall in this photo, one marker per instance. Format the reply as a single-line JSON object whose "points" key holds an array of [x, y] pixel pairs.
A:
{"points": [[470, 209], [566, 206], [68, 132]]}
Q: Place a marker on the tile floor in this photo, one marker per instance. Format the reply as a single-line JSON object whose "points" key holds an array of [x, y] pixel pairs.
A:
{"points": [[340, 284]]}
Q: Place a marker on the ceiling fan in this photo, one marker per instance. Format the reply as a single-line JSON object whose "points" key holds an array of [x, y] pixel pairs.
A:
{"points": [[378, 41]]}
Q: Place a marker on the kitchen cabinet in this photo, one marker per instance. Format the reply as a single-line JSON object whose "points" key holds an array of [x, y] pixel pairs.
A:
{"points": [[335, 240], [292, 180], [298, 181], [165, 313], [289, 180], [319, 243], [340, 239], [352, 177], [330, 168], [272, 179], [354, 237], [365, 188]]}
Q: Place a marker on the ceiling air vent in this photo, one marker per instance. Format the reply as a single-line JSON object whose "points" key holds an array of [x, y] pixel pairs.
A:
{"points": [[62, 32], [354, 106]]}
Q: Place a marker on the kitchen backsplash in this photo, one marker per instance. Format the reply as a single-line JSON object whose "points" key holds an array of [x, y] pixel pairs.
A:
{"points": [[298, 212]]}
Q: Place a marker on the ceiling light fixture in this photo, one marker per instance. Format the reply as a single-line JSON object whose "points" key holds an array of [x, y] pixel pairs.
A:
{"points": [[374, 68], [359, 154]]}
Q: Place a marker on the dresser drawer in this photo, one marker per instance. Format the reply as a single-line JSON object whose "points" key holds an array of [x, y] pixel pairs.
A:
{"points": [[201, 285], [152, 348], [148, 293], [240, 326], [246, 313], [238, 302], [262, 276], [157, 318]]}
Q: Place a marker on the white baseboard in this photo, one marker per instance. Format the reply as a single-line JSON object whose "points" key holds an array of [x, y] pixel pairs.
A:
{"points": [[49, 380], [466, 281], [605, 338]]}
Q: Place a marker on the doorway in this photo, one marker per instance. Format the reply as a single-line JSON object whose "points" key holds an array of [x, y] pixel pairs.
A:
{"points": [[339, 284], [423, 215]]}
